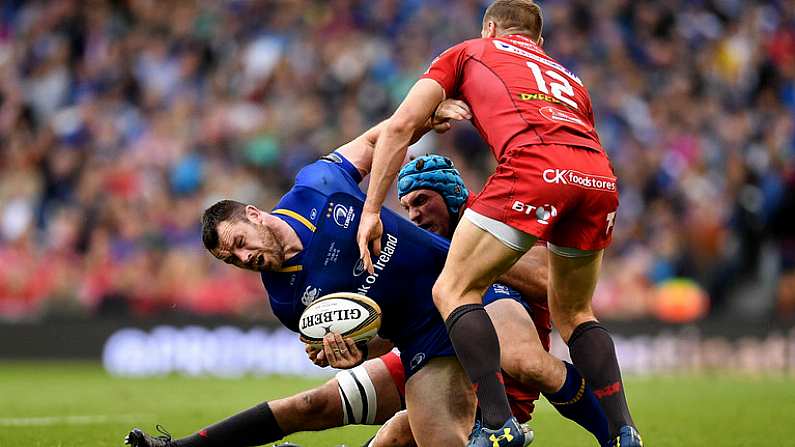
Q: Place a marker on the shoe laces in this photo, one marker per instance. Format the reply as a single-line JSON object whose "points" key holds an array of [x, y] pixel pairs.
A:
{"points": [[162, 430], [476, 428]]}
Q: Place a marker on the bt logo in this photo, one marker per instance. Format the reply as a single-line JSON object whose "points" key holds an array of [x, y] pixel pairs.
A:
{"points": [[543, 213]]}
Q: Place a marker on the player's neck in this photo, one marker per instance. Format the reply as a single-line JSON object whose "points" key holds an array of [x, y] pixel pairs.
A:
{"points": [[288, 236], [517, 35]]}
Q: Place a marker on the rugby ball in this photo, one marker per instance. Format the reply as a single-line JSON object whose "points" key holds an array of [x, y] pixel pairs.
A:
{"points": [[348, 314]]}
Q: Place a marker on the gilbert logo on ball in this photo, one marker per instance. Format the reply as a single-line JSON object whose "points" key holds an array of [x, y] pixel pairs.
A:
{"points": [[349, 314]]}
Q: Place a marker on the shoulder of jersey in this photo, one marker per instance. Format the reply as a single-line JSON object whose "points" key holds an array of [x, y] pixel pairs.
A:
{"points": [[471, 43], [315, 175]]}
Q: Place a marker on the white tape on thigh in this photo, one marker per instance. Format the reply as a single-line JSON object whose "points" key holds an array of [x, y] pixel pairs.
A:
{"points": [[359, 400], [369, 392], [509, 236]]}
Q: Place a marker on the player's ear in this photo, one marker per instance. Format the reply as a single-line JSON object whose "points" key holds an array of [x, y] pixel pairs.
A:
{"points": [[253, 213], [540, 41], [489, 29]]}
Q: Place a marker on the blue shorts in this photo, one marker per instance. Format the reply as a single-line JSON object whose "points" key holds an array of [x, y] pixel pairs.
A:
{"points": [[435, 342]]}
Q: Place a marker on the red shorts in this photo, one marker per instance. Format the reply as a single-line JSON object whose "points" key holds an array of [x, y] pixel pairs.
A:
{"points": [[539, 313], [520, 398], [563, 194]]}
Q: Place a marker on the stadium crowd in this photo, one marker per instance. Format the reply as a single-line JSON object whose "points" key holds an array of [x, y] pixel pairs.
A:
{"points": [[120, 121]]}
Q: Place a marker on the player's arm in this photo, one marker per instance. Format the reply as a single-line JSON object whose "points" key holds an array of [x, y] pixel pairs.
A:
{"points": [[388, 155], [360, 151], [529, 275]]}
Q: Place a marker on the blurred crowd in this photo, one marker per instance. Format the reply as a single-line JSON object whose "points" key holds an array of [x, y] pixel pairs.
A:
{"points": [[120, 121]]}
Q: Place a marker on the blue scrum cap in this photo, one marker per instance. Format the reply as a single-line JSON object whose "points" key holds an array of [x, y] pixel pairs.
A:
{"points": [[436, 173]]}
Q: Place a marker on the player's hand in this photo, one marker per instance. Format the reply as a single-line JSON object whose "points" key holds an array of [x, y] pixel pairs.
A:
{"points": [[342, 354], [370, 230], [317, 356], [448, 111]]}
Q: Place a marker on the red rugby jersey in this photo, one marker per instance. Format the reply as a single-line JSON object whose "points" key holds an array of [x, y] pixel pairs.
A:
{"points": [[518, 95]]}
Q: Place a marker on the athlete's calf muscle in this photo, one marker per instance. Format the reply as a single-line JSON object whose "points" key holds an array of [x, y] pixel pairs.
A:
{"points": [[571, 285], [316, 409], [521, 353]]}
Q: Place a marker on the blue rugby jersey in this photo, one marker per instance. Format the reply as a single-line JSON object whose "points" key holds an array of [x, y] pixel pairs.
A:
{"points": [[324, 207]]}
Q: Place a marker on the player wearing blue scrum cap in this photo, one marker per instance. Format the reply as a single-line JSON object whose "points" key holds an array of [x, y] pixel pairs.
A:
{"points": [[433, 173]]}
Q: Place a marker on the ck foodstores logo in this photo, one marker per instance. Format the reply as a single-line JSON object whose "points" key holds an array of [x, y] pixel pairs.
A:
{"points": [[543, 213], [577, 178]]}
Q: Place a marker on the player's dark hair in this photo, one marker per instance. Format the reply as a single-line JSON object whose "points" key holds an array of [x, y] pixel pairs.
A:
{"points": [[220, 212], [516, 17]]}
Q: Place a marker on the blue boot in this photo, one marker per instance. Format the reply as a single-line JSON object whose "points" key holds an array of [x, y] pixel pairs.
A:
{"points": [[628, 436], [511, 434]]}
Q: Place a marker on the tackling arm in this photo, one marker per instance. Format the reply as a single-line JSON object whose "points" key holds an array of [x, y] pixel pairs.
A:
{"points": [[390, 150], [360, 151], [388, 155]]}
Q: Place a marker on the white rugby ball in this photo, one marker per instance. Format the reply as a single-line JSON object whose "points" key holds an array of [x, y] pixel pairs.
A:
{"points": [[348, 314]]}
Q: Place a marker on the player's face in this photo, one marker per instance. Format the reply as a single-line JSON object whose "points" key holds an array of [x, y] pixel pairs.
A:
{"points": [[428, 210], [249, 244]]}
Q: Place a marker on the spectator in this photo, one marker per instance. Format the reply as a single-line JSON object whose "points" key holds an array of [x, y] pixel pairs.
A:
{"points": [[121, 121]]}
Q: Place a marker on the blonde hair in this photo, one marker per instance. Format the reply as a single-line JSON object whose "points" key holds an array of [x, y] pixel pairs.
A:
{"points": [[516, 17]]}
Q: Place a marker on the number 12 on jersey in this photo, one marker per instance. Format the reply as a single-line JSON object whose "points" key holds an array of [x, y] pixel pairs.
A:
{"points": [[561, 90]]}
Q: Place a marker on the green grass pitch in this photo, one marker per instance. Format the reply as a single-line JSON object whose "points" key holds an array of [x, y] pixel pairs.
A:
{"points": [[77, 404]]}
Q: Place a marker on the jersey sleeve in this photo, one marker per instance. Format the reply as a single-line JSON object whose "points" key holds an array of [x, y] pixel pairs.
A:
{"points": [[447, 68], [325, 172], [330, 174], [340, 162]]}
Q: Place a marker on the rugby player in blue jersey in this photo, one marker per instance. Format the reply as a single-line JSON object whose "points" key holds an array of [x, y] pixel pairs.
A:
{"points": [[308, 233]]}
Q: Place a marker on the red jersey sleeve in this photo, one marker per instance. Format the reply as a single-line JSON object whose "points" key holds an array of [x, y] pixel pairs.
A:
{"points": [[447, 68]]}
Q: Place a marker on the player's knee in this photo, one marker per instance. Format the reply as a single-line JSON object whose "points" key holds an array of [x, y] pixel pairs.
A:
{"points": [[441, 294], [319, 404], [450, 292], [395, 433], [528, 368]]}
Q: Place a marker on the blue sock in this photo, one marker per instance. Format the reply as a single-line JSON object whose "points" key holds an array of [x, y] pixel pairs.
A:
{"points": [[576, 401]]}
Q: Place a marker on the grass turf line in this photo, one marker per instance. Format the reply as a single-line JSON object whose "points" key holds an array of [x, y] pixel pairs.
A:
{"points": [[84, 406]]}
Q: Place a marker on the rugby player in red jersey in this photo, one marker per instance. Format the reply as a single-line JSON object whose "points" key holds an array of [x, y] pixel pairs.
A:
{"points": [[553, 182]]}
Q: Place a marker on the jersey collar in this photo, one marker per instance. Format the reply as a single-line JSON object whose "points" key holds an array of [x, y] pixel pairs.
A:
{"points": [[524, 39]]}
